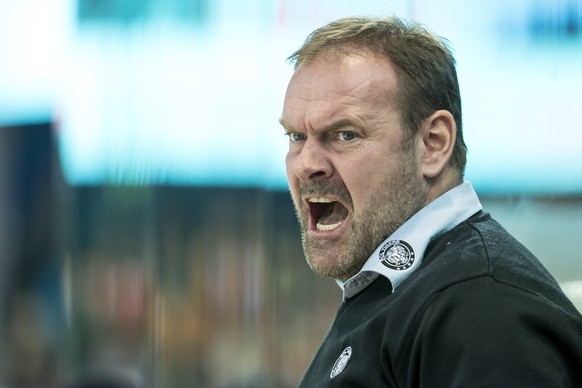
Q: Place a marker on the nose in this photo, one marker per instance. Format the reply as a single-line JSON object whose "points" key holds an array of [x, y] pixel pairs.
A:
{"points": [[310, 162]]}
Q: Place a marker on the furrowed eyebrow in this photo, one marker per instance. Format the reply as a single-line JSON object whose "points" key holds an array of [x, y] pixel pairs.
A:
{"points": [[338, 124], [330, 127], [283, 123]]}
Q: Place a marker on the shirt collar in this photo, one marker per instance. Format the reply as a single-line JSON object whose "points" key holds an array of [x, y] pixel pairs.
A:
{"points": [[401, 253]]}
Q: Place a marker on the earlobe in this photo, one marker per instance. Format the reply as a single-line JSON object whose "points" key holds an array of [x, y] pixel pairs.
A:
{"points": [[438, 133]]}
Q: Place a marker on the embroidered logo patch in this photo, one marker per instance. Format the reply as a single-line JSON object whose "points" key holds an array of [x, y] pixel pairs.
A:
{"points": [[397, 255], [341, 362]]}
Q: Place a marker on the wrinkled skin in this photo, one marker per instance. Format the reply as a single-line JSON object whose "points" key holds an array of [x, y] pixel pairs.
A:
{"points": [[347, 146]]}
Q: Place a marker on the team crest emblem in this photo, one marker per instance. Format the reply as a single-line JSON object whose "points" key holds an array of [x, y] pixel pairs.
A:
{"points": [[341, 362], [397, 255]]}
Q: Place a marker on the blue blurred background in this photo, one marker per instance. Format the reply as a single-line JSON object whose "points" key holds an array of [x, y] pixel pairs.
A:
{"points": [[188, 92], [146, 232]]}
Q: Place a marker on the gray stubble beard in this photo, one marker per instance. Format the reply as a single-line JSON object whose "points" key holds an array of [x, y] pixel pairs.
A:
{"points": [[390, 209]]}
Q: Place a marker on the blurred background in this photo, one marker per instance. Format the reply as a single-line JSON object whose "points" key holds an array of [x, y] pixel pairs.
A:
{"points": [[147, 238]]}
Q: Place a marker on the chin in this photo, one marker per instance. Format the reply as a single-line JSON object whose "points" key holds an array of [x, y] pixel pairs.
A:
{"points": [[331, 268]]}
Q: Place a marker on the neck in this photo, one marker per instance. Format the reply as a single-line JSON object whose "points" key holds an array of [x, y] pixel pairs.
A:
{"points": [[442, 183]]}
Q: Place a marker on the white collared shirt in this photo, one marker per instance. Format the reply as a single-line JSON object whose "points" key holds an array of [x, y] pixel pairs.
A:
{"points": [[401, 253]]}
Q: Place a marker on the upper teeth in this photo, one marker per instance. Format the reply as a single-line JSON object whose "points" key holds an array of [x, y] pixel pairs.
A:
{"points": [[320, 200]]}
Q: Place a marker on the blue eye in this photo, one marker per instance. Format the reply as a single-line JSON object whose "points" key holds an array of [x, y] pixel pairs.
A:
{"points": [[346, 135], [295, 136]]}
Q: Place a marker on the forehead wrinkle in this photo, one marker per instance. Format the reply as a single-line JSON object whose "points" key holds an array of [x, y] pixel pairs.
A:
{"points": [[335, 114], [354, 95], [339, 123]]}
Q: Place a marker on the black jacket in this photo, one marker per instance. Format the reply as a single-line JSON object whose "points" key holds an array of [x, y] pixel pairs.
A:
{"points": [[480, 311]]}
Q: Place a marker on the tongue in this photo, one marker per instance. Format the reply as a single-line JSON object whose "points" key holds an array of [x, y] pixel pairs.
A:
{"points": [[335, 213]]}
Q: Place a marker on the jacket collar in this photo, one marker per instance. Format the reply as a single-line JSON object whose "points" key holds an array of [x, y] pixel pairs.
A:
{"points": [[401, 253]]}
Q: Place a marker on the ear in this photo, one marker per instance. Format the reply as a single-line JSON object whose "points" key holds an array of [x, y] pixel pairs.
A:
{"points": [[438, 132]]}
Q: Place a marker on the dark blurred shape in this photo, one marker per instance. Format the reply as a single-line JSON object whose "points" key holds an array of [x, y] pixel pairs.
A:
{"points": [[192, 287], [261, 381], [120, 11], [105, 377], [31, 311], [556, 20], [126, 12]]}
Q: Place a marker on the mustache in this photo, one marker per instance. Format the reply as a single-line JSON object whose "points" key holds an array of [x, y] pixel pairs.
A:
{"points": [[335, 188]]}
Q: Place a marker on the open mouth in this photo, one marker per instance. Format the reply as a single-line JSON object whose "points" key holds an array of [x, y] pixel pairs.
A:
{"points": [[326, 213]]}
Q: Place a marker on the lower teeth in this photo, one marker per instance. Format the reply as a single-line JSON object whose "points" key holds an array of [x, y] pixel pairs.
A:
{"points": [[323, 228]]}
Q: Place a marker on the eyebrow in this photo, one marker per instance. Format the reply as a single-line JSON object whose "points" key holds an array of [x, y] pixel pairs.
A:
{"points": [[330, 127], [283, 123]]}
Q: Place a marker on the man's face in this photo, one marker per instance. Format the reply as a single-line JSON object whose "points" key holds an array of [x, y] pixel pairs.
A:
{"points": [[352, 182]]}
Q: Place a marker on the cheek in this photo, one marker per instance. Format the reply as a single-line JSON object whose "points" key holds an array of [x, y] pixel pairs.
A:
{"points": [[291, 178], [368, 183], [293, 184], [289, 167], [359, 177]]}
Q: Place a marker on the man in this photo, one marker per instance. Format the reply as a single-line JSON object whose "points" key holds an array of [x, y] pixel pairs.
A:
{"points": [[435, 292]]}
